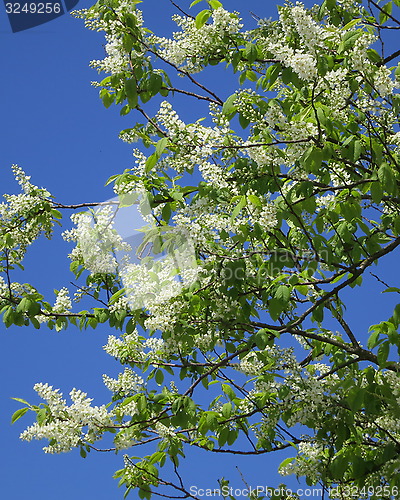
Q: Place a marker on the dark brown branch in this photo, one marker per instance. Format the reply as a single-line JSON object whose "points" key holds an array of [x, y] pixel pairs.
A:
{"points": [[221, 363], [355, 274], [384, 12], [153, 123], [392, 56], [181, 10], [84, 205]]}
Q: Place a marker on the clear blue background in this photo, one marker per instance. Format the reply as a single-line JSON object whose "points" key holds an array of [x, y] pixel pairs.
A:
{"points": [[54, 125]]}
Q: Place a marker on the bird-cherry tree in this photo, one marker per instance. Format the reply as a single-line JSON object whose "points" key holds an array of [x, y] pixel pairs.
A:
{"points": [[261, 212]]}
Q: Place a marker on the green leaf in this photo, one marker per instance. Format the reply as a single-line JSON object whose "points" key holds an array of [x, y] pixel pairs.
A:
{"points": [[255, 200], [339, 466], [357, 145], [251, 52], [275, 308], [214, 4], [318, 314], [283, 293], [18, 414], [391, 289], [373, 340], [159, 377], [238, 208], [106, 97], [385, 10], [263, 338], [20, 400], [232, 436], [355, 398], [131, 92], [150, 162], [223, 436], [41, 415], [396, 314], [348, 40], [155, 83], [387, 179], [161, 145], [229, 106], [383, 353], [376, 192], [226, 410], [271, 75], [244, 122], [286, 462], [351, 24], [227, 389], [202, 17]]}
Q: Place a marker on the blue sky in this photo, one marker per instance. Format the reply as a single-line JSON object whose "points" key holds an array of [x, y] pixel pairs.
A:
{"points": [[54, 125]]}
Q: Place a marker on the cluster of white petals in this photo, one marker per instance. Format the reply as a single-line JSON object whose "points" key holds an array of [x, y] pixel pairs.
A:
{"points": [[97, 241], [127, 383], [24, 216], [66, 426], [190, 45], [63, 302]]}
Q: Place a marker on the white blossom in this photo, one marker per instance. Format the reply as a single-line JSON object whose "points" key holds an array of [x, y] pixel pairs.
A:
{"points": [[126, 383]]}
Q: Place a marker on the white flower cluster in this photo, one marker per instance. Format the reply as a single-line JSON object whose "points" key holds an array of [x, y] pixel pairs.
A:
{"points": [[327, 200], [206, 341], [135, 184], [350, 5], [265, 158], [308, 461], [23, 179], [135, 349], [156, 283], [63, 302], [303, 64], [25, 216], [310, 32], [116, 60], [197, 144], [335, 81], [225, 306], [250, 364], [66, 424], [389, 420], [312, 392], [164, 431], [96, 240], [191, 45], [267, 217], [205, 219], [17, 289], [383, 81], [244, 102], [274, 115], [127, 383], [126, 438], [163, 317], [359, 55], [302, 60]]}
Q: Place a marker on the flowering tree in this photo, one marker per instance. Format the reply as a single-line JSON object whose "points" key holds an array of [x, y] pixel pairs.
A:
{"points": [[265, 212]]}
